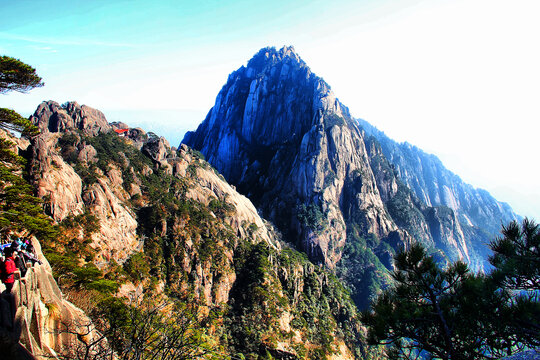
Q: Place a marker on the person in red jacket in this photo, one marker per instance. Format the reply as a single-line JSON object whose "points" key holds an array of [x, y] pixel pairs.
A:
{"points": [[8, 270]]}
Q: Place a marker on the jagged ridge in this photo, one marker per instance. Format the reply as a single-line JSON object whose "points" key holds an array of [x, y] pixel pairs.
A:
{"points": [[435, 185]]}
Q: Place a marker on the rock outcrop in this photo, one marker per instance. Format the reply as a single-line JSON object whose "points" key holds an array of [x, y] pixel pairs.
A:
{"points": [[36, 321], [62, 188], [55, 180], [52, 117]]}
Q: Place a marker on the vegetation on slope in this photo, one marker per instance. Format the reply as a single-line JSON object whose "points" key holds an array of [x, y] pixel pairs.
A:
{"points": [[280, 296], [20, 210], [279, 303]]}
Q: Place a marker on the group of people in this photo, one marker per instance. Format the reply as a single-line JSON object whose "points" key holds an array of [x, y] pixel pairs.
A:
{"points": [[14, 255]]}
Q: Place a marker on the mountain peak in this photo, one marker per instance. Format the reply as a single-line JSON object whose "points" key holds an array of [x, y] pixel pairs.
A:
{"points": [[274, 100], [53, 117], [269, 57], [288, 49], [271, 51], [279, 134]]}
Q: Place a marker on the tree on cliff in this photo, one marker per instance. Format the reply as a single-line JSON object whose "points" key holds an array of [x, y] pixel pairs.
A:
{"points": [[19, 209], [516, 259], [442, 313], [17, 76], [516, 256], [145, 329]]}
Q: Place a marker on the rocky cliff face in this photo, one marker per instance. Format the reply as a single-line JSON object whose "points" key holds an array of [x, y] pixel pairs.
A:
{"points": [[478, 213], [437, 227], [36, 320], [280, 135], [62, 187], [54, 118], [189, 233]]}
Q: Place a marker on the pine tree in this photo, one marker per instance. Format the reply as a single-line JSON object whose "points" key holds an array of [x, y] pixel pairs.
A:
{"points": [[19, 208], [516, 259], [17, 76], [440, 313], [516, 256]]}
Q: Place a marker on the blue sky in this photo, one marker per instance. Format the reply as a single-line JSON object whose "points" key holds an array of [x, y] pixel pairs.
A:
{"points": [[458, 78]]}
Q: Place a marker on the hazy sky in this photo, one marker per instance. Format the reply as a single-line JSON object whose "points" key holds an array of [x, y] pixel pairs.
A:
{"points": [[457, 78]]}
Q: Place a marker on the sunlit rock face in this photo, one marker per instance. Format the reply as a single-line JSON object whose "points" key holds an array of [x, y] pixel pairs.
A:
{"points": [[280, 135], [212, 242], [61, 187], [35, 317], [53, 117]]}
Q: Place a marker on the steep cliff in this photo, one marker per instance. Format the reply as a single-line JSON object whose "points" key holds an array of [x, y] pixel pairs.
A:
{"points": [[36, 316], [279, 134], [140, 216], [478, 213], [66, 194]]}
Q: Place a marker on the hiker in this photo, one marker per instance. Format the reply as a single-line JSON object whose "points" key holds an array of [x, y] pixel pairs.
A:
{"points": [[19, 262], [30, 254], [8, 270], [22, 243], [16, 245]]}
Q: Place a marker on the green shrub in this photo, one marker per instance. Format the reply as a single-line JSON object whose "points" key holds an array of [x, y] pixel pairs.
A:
{"points": [[137, 267], [312, 217]]}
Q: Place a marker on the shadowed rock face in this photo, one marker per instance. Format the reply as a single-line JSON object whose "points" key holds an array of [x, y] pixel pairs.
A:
{"points": [[279, 134]]}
